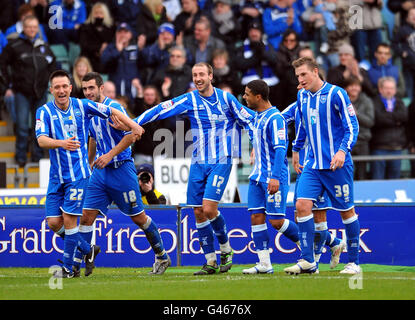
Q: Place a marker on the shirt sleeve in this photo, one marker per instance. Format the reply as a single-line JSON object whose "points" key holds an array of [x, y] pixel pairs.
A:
{"points": [[166, 109], [96, 109], [244, 116], [277, 134], [349, 120], [42, 127], [300, 134]]}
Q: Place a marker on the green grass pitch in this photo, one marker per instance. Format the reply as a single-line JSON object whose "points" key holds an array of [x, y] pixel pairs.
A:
{"points": [[178, 283]]}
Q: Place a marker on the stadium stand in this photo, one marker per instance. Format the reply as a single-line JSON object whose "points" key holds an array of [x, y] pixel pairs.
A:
{"points": [[244, 12]]}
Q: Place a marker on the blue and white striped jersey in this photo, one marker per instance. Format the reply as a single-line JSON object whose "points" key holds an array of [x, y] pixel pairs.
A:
{"points": [[51, 121], [269, 139], [328, 120], [290, 115], [215, 122], [106, 136]]}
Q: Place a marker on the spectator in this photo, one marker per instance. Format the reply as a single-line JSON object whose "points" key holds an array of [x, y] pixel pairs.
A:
{"points": [[81, 67], [72, 15], [225, 22], [321, 17], [119, 60], [7, 17], [143, 149], [95, 34], [277, 18], [410, 133], [185, 20], [403, 47], [127, 11], [30, 61], [382, 66], [157, 55], [365, 112], [202, 43], [250, 11], [389, 132], [149, 195], [368, 38], [173, 8], [173, 79], [41, 8], [14, 31], [3, 41], [152, 15], [349, 67], [256, 59], [402, 7], [337, 37], [288, 51], [109, 90], [224, 73]]}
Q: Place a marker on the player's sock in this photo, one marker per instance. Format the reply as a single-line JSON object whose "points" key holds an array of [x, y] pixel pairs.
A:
{"points": [[69, 247], [206, 239], [153, 236], [260, 236], [219, 227], [306, 235], [290, 230], [320, 237], [61, 232], [352, 227], [331, 240], [264, 257], [85, 232]]}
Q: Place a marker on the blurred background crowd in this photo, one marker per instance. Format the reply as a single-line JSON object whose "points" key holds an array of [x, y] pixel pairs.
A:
{"points": [[145, 51]]}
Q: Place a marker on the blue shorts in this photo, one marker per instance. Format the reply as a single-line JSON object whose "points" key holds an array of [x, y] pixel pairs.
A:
{"points": [[260, 201], [115, 184], [323, 202], [337, 184], [65, 197], [207, 182]]}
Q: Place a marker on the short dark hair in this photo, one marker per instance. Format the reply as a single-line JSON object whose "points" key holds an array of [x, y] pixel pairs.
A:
{"points": [[259, 87], [59, 73], [94, 76]]}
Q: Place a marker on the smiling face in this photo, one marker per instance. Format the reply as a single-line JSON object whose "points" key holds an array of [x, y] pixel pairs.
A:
{"points": [[61, 88], [202, 79], [251, 99], [91, 90]]}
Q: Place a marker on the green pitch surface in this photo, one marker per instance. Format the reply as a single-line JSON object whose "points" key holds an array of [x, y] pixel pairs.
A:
{"points": [[178, 283]]}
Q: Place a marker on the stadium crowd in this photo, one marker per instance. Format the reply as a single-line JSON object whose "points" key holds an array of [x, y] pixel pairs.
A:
{"points": [[145, 50]]}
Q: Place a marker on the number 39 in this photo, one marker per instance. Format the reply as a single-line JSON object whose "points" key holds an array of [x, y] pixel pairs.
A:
{"points": [[342, 191]]}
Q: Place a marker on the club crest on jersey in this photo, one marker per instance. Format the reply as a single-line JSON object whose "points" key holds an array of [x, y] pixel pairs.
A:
{"points": [[167, 104], [323, 99]]}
